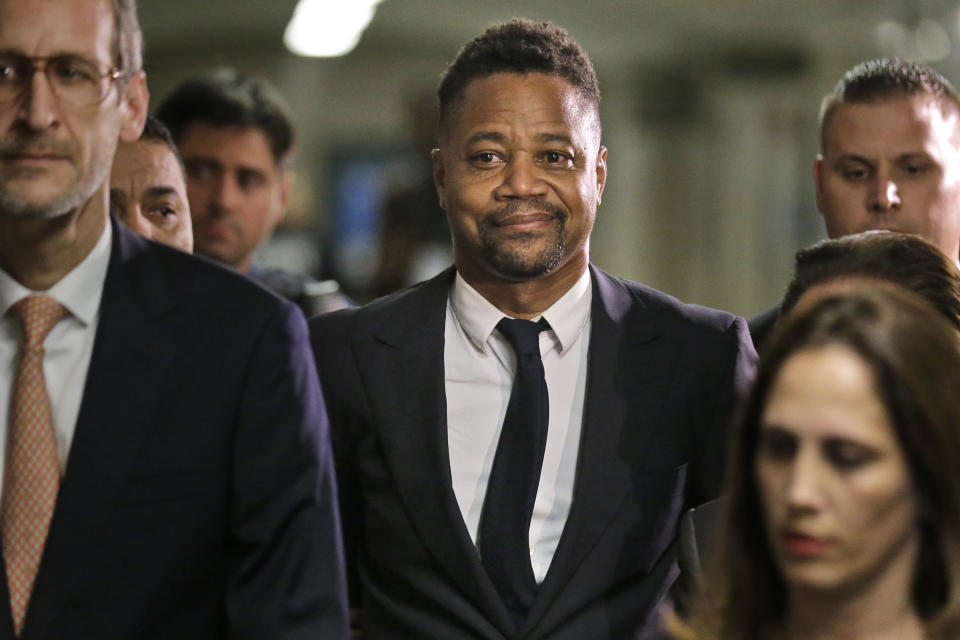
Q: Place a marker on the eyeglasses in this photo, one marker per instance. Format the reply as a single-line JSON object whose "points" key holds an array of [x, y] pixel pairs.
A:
{"points": [[74, 80]]}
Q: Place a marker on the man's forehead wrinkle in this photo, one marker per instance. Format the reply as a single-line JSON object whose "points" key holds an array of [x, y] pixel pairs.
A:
{"points": [[487, 135], [91, 37]]}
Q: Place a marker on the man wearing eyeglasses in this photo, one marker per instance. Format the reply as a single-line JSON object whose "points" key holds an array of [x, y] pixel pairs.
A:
{"points": [[165, 465]]}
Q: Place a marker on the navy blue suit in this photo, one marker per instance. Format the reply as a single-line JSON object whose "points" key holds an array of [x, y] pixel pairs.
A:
{"points": [[662, 378], [199, 498]]}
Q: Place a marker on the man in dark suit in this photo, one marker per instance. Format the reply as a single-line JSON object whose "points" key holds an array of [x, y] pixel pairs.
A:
{"points": [[889, 159], [517, 438], [166, 468]]}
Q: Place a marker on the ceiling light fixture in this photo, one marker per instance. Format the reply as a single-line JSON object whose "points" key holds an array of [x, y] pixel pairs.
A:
{"points": [[328, 28]]}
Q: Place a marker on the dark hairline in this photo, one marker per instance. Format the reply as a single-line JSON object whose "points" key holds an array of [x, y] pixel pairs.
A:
{"points": [[520, 47]]}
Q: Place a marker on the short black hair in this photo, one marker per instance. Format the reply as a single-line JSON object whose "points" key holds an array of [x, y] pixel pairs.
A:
{"points": [[885, 79], [156, 131], [227, 98], [519, 46]]}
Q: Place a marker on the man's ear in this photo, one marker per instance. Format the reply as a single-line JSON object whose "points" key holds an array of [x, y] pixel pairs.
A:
{"points": [[286, 186], [818, 180], [136, 102], [439, 175], [601, 171]]}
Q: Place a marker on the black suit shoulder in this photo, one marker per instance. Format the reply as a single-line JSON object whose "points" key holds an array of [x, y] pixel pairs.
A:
{"points": [[689, 315], [700, 329], [194, 280]]}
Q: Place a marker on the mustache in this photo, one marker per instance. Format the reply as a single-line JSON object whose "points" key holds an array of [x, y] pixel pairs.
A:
{"points": [[535, 205], [35, 145]]}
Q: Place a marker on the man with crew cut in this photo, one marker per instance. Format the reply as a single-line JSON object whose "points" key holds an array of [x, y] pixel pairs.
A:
{"points": [[517, 438], [889, 158]]}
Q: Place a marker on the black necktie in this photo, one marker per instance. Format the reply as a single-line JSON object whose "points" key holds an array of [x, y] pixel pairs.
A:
{"points": [[512, 488]]}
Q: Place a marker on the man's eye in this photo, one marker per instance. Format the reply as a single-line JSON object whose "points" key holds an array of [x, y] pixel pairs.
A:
{"points": [[8, 71], [485, 157], [250, 180], [914, 169], [854, 174], [163, 216], [555, 157], [69, 70]]}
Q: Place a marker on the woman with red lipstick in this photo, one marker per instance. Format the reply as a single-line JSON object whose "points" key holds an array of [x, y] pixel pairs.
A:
{"points": [[843, 510]]}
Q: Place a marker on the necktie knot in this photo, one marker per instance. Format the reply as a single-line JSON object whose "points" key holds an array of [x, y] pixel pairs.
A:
{"points": [[38, 314], [523, 335]]}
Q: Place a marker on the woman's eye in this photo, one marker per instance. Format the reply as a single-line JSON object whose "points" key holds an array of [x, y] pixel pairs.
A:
{"points": [[777, 444], [844, 454]]}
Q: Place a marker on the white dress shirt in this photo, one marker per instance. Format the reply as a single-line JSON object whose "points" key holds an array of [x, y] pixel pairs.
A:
{"points": [[68, 346], [479, 366]]}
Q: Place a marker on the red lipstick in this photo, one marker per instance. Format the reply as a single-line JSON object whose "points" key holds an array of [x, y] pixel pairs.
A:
{"points": [[803, 545]]}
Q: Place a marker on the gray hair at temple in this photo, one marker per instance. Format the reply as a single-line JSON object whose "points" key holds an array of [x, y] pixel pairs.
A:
{"points": [[885, 79], [127, 42]]}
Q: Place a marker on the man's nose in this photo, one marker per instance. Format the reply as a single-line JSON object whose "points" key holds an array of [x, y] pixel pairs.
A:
{"points": [[522, 178], [226, 193], [39, 106], [884, 195]]}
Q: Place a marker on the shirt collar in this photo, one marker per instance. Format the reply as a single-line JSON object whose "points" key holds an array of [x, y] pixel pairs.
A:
{"points": [[79, 291], [478, 317]]}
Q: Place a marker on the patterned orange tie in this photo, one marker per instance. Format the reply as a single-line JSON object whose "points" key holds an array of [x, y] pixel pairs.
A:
{"points": [[32, 470]]}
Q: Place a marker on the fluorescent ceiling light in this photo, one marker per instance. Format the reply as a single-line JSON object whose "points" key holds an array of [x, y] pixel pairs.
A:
{"points": [[328, 28]]}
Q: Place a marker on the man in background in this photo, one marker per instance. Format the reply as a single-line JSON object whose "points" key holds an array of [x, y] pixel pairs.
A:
{"points": [[148, 192], [889, 158], [166, 463], [235, 135]]}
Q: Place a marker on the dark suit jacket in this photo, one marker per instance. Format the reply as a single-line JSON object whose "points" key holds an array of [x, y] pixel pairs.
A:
{"points": [[662, 378], [198, 499]]}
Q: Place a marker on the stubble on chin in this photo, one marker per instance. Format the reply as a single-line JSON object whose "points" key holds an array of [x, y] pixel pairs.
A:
{"points": [[16, 207], [523, 256], [70, 198]]}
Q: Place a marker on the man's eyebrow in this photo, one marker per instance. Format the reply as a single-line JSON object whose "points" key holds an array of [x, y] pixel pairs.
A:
{"points": [[852, 157], [553, 137], [160, 191], [487, 136], [257, 171], [913, 155]]}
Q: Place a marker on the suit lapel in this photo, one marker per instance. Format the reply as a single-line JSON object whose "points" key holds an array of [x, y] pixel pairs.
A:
{"points": [[624, 339], [127, 369], [404, 380]]}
